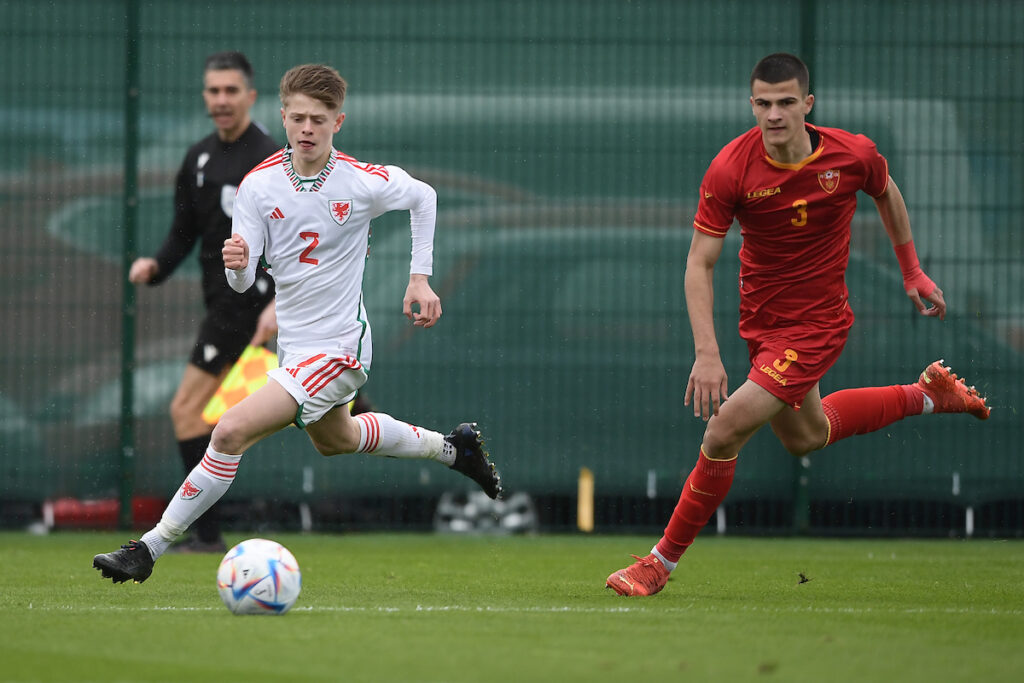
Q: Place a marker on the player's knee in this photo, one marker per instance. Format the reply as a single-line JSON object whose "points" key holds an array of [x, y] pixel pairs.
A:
{"points": [[796, 448], [332, 440], [336, 446], [720, 439], [228, 436], [325, 449], [801, 444]]}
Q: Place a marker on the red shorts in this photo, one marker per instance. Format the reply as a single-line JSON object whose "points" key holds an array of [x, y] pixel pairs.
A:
{"points": [[787, 361]]}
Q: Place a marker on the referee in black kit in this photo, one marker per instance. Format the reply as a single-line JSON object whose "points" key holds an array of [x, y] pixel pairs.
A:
{"points": [[203, 200]]}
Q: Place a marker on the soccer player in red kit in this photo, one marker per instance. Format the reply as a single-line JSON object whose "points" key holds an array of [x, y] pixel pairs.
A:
{"points": [[793, 189]]}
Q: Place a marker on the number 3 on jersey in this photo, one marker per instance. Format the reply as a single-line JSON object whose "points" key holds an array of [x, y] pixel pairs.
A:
{"points": [[801, 213], [315, 240]]}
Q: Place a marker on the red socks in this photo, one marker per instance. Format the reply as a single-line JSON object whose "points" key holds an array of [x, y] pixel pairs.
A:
{"points": [[859, 411], [849, 412], [704, 489]]}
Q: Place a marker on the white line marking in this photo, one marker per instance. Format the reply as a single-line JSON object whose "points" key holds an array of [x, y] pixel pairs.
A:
{"points": [[693, 607]]}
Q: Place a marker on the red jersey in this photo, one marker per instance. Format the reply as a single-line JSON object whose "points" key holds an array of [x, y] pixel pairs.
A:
{"points": [[794, 220]]}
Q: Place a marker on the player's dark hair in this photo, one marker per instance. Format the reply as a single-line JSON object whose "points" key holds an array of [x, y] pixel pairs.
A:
{"points": [[318, 81], [781, 67], [221, 61]]}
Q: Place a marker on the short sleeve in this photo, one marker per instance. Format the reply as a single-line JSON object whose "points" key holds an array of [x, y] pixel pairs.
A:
{"points": [[716, 206], [876, 168]]}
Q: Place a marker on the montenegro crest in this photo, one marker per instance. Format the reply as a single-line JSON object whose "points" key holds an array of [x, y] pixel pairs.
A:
{"points": [[341, 209], [829, 180]]}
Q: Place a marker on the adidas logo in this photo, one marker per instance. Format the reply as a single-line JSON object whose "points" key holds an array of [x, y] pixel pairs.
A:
{"points": [[277, 213]]}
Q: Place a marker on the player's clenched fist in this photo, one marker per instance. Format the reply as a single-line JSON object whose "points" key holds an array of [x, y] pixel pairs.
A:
{"points": [[235, 252]]}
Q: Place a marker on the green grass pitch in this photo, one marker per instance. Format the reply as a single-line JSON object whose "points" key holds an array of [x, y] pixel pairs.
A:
{"points": [[411, 607]]}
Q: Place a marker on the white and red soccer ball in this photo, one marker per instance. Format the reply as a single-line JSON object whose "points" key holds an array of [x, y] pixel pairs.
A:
{"points": [[258, 576]]}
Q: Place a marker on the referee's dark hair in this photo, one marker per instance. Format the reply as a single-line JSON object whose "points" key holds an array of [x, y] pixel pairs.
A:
{"points": [[231, 59]]}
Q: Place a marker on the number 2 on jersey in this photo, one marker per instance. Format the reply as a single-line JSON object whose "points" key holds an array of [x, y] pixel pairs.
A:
{"points": [[801, 213], [305, 256]]}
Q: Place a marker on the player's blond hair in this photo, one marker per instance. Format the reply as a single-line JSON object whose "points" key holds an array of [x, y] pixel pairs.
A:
{"points": [[317, 81]]}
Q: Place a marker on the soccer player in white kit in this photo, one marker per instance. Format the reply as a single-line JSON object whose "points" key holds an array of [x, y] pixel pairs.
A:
{"points": [[306, 211]]}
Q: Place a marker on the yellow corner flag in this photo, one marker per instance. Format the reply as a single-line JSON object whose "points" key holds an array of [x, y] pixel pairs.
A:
{"points": [[248, 374]]}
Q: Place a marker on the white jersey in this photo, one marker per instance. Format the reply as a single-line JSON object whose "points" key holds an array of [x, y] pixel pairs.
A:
{"points": [[314, 235]]}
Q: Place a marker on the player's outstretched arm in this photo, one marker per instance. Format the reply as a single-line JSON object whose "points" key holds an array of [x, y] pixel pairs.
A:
{"points": [[420, 294], [919, 287], [708, 384]]}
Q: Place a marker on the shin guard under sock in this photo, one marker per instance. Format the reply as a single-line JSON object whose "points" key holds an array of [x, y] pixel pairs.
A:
{"points": [[381, 434], [703, 491], [868, 409], [207, 527], [204, 485]]}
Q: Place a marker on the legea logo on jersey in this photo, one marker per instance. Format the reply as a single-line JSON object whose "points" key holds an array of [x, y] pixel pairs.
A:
{"points": [[341, 209], [764, 192]]}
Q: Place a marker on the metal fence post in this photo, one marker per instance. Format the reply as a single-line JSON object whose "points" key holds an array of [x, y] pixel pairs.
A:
{"points": [[129, 209], [801, 466]]}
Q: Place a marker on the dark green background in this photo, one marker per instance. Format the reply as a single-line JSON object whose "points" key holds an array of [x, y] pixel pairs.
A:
{"points": [[566, 141]]}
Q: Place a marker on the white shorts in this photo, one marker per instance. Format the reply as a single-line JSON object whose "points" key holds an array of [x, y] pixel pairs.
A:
{"points": [[318, 382]]}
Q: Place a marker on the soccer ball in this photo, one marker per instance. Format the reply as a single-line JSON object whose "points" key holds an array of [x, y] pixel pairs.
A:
{"points": [[259, 577]]}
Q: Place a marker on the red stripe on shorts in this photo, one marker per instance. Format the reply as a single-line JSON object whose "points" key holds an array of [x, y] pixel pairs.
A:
{"points": [[327, 374], [310, 381]]}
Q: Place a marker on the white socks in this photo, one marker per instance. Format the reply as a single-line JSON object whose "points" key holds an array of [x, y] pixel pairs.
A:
{"points": [[203, 487], [381, 434], [668, 565]]}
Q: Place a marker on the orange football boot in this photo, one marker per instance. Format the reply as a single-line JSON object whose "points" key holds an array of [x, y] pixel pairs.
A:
{"points": [[646, 576], [949, 393]]}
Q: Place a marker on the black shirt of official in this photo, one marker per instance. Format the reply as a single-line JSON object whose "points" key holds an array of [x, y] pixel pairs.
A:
{"points": [[204, 197]]}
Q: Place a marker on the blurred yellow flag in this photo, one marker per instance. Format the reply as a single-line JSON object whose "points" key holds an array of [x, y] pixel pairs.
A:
{"points": [[247, 375]]}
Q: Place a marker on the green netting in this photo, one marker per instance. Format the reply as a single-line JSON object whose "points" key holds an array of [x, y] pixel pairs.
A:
{"points": [[566, 141]]}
